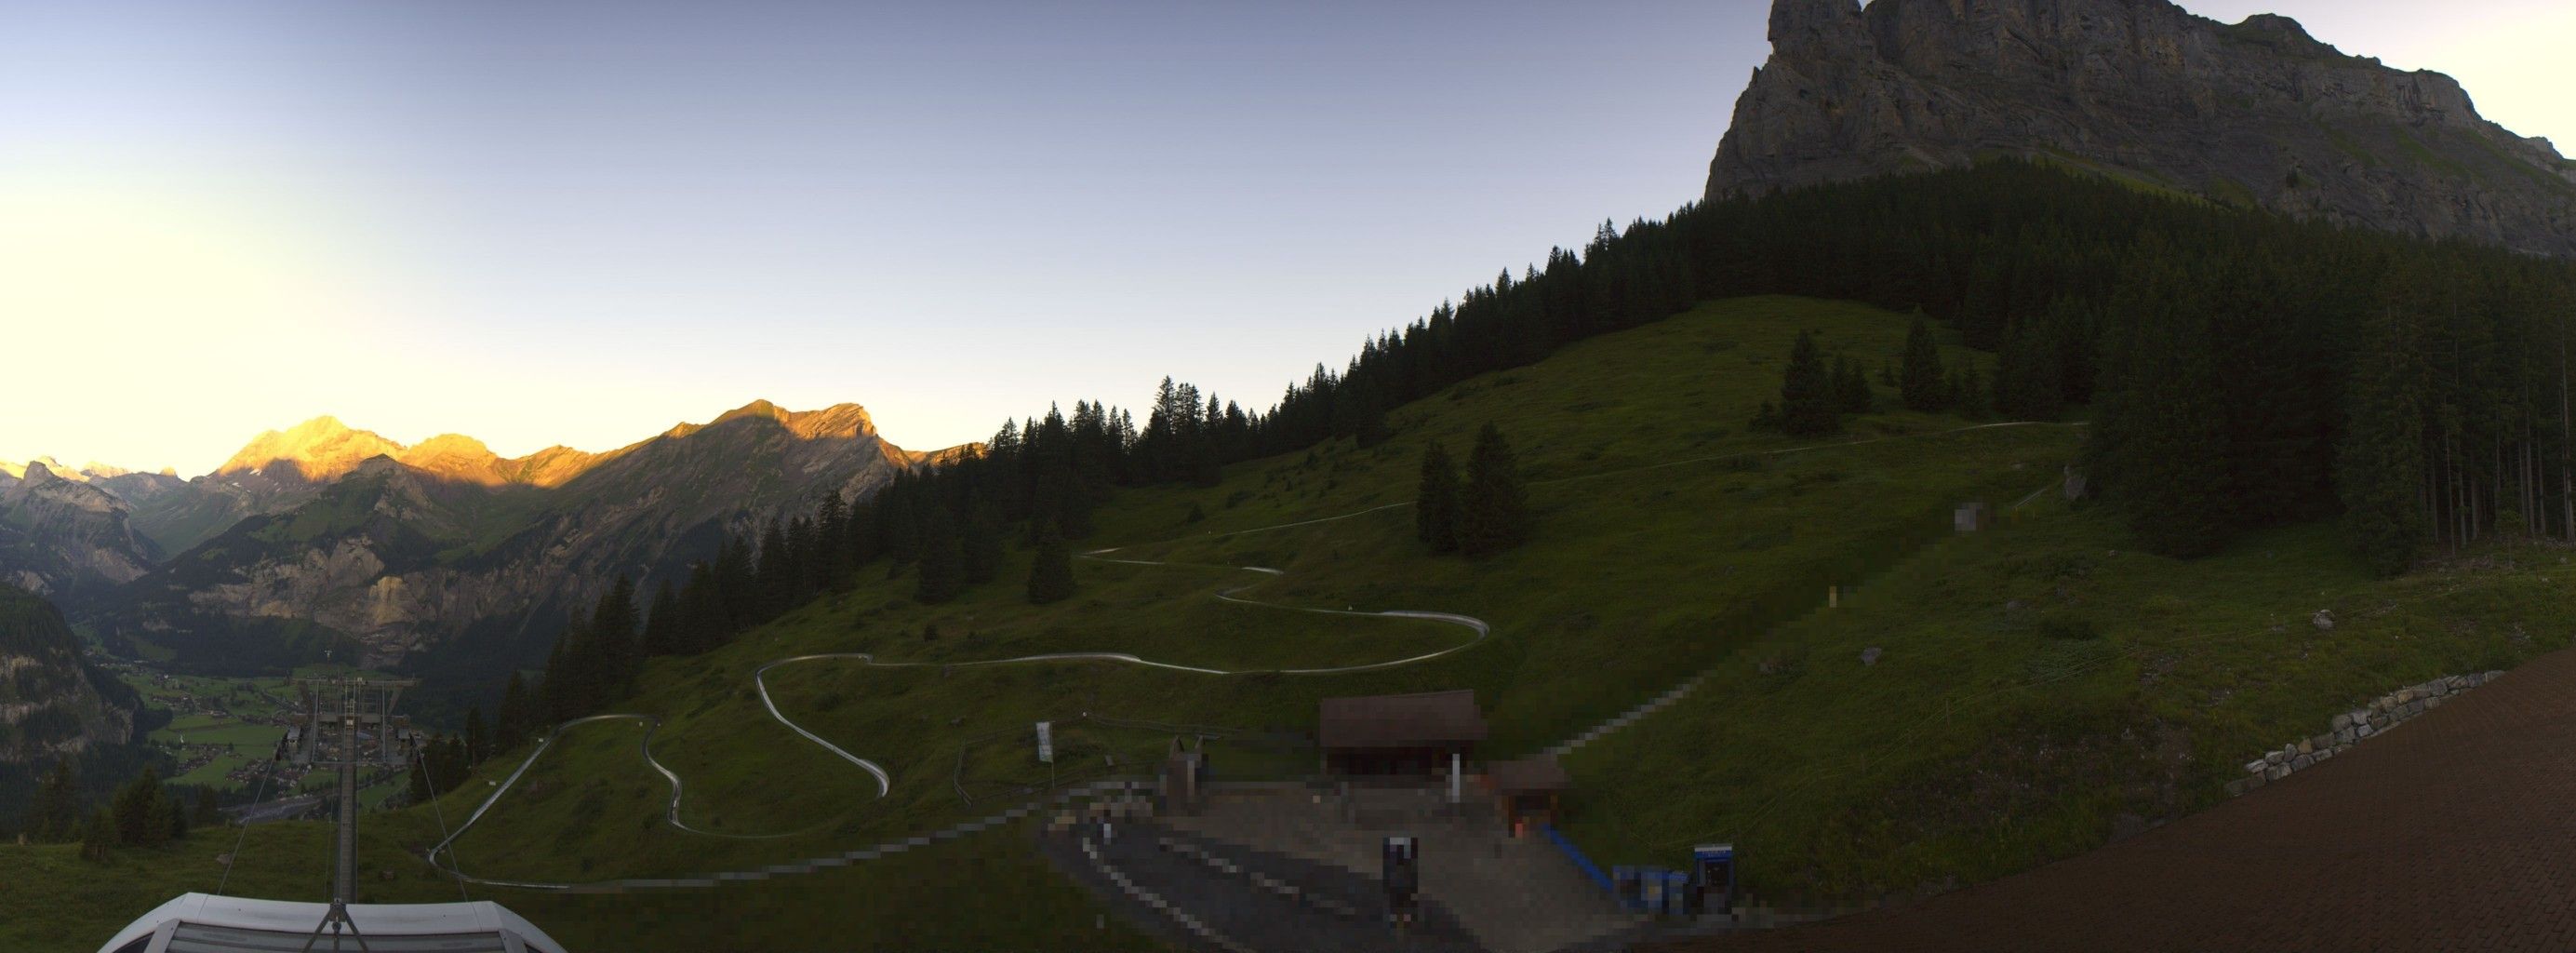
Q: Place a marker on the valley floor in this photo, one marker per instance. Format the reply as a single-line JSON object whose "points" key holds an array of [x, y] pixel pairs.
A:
{"points": [[2448, 833]]}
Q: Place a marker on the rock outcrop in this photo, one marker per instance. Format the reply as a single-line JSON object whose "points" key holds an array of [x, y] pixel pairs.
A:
{"points": [[2254, 113], [53, 702], [63, 536]]}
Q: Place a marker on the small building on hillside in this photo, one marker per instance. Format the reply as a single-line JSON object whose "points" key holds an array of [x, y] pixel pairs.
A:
{"points": [[1417, 735], [1971, 517], [1527, 792]]}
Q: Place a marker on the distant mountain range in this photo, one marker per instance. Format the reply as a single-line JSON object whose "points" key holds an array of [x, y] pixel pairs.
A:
{"points": [[325, 538], [2257, 113]]}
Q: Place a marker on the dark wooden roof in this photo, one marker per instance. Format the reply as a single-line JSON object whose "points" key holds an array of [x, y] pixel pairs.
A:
{"points": [[1541, 773], [1400, 721]]}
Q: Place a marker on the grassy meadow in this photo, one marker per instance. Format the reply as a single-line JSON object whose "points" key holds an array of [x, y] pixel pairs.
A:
{"points": [[2042, 687]]}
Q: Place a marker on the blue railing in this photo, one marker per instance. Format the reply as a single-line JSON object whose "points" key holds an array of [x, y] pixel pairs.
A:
{"points": [[1581, 862]]}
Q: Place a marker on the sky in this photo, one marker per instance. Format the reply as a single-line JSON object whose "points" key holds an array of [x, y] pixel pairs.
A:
{"points": [[581, 222]]}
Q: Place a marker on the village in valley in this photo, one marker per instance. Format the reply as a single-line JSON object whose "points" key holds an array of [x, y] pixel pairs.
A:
{"points": [[223, 734]]}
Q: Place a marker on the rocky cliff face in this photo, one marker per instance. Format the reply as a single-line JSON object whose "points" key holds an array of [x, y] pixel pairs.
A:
{"points": [[65, 536], [2254, 113], [445, 542], [52, 701]]}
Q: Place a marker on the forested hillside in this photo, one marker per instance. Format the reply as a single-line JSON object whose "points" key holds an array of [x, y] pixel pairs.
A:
{"points": [[2243, 370]]}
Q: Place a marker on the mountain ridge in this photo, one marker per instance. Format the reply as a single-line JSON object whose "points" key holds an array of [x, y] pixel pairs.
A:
{"points": [[400, 558], [2257, 113]]}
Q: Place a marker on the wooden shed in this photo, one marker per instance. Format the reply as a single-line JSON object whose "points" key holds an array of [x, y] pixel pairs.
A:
{"points": [[1526, 792], [1400, 735]]}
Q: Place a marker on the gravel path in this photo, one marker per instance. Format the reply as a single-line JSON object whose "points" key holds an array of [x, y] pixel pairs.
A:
{"points": [[1140, 871]]}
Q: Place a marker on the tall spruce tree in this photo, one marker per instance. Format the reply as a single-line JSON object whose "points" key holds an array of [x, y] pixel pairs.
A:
{"points": [[1051, 573], [1493, 510], [142, 811], [832, 564], [2159, 445], [517, 717], [1808, 404], [209, 810], [478, 745], [777, 571], [1851, 386], [1922, 383], [980, 552], [55, 814], [98, 836], [2026, 379], [943, 570], [617, 655], [662, 625], [2379, 470], [1435, 503]]}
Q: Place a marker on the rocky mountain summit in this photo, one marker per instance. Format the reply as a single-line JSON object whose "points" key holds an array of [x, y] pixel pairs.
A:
{"points": [[323, 449], [62, 533], [2256, 113]]}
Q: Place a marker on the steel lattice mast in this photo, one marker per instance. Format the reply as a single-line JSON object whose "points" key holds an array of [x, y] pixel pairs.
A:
{"points": [[349, 723]]}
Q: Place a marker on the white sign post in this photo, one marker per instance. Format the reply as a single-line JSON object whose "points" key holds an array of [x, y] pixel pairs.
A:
{"points": [[1046, 742]]}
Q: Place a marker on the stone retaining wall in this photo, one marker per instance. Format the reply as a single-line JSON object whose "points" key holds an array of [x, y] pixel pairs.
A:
{"points": [[2351, 727]]}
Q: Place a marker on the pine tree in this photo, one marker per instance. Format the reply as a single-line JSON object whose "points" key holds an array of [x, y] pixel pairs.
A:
{"points": [[661, 627], [210, 811], [980, 553], [832, 562], [98, 836], [1851, 387], [142, 812], [1807, 398], [1767, 418], [1922, 384], [942, 561], [2379, 469], [776, 573], [1493, 512], [517, 718], [56, 814], [1051, 575], [2026, 379], [2159, 449], [617, 657], [554, 689], [1435, 504], [477, 747], [737, 587]]}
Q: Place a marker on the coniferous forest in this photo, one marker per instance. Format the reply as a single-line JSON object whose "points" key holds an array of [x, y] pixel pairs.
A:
{"points": [[2242, 370]]}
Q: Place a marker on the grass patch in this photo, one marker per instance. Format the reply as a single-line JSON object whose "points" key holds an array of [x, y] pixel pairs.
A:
{"points": [[2042, 687]]}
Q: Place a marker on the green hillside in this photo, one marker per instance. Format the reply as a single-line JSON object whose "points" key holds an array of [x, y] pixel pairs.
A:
{"points": [[1670, 539]]}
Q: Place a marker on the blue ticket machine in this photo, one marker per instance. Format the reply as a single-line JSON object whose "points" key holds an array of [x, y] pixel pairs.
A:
{"points": [[1678, 901], [1713, 873]]}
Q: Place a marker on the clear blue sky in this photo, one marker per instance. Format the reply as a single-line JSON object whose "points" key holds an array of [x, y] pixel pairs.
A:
{"points": [[543, 222]]}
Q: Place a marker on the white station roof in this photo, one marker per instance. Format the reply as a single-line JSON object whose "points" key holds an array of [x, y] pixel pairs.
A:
{"points": [[204, 923]]}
